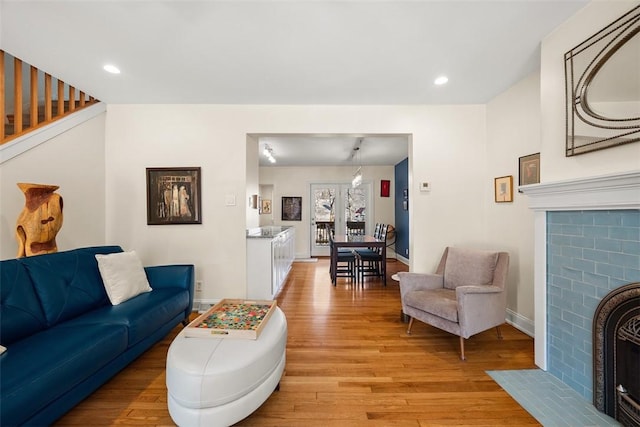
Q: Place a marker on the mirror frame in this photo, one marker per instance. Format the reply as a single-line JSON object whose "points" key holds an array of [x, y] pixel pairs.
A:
{"points": [[597, 50]]}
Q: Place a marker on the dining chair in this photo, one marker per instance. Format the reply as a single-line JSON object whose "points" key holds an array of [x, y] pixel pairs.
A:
{"points": [[369, 260], [345, 265]]}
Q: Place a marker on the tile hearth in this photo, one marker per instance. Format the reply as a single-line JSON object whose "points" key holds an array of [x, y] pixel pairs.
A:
{"points": [[549, 400]]}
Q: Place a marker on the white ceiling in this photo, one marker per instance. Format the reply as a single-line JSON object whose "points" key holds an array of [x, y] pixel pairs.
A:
{"points": [[347, 52]]}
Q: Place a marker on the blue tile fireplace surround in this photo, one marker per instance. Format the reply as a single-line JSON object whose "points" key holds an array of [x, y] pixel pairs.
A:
{"points": [[587, 243], [589, 254]]}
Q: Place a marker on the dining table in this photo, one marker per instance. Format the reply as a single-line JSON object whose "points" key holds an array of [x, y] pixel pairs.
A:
{"points": [[358, 241]]}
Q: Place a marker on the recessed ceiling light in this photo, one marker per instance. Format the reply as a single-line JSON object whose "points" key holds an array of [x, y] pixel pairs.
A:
{"points": [[111, 69], [441, 80]]}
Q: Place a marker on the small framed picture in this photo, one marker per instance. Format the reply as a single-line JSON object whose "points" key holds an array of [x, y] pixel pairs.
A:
{"points": [[405, 205], [265, 205], [385, 188], [503, 189], [292, 208], [529, 170], [173, 196]]}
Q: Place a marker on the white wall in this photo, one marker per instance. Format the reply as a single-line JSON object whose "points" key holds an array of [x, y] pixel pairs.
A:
{"points": [[513, 131], [74, 161], [554, 165], [296, 181], [253, 182], [215, 138]]}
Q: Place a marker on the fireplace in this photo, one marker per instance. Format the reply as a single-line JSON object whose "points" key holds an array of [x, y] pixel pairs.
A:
{"points": [[577, 263], [616, 355]]}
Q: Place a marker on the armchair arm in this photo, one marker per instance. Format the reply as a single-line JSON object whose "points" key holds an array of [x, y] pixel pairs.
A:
{"points": [[484, 289], [480, 308]]}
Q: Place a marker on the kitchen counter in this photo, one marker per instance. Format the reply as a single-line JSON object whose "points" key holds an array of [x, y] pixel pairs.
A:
{"points": [[270, 254], [268, 232]]}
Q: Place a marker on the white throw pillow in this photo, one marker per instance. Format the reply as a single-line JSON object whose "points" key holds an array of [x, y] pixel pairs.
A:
{"points": [[123, 276]]}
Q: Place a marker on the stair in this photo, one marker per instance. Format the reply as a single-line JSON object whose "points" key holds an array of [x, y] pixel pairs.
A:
{"points": [[9, 132]]}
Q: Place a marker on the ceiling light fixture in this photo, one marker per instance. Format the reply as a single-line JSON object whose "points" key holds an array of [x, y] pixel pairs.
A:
{"points": [[357, 178], [355, 155], [111, 69], [441, 80], [268, 152]]}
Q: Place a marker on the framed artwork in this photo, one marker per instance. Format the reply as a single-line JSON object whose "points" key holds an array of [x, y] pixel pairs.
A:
{"points": [[405, 205], [291, 208], [529, 169], [503, 189], [385, 188], [405, 193], [265, 206], [174, 196]]}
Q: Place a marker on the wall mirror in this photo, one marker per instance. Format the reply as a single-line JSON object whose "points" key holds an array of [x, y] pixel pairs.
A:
{"points": [[602, 80]]}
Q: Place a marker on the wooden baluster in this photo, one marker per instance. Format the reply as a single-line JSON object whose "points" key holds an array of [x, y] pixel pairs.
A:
{"points": [[33, 95], [72, 99], [17, 96], [47, 98], [19, 124], [60, 98], [2, 95]]}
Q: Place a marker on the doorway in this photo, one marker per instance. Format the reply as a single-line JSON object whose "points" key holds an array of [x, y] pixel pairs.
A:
{"points": [[338, 208]]}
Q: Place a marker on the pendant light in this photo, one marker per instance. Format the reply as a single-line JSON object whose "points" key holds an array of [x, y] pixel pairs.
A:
{"points": [[357, 176]]}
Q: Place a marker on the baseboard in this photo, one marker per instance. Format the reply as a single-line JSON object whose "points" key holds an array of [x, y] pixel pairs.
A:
{"points": [[521, 323], [402, 259]]}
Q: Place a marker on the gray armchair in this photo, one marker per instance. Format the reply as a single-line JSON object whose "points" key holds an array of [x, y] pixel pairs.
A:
{"points": [[466, 295]]}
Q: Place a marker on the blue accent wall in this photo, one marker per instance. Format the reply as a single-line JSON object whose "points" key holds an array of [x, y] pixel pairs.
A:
{"points": [[589, 253], [402, 216]]}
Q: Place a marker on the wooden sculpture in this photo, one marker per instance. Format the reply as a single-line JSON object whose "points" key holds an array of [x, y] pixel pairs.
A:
{"points": [[40, 220]]}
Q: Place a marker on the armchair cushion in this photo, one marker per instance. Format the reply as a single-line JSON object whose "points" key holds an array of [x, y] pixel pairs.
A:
{"points": [[440, 302], [467, 267]]}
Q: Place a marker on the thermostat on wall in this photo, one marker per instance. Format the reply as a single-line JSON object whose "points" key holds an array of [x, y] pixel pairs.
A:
{"points": [[425, 187]]}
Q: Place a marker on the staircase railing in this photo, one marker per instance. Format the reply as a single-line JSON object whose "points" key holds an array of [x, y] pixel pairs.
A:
{"points": [[47, 98]]}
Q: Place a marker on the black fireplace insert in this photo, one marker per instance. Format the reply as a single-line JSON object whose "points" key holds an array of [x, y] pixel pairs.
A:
{"points": [[616, 353]]}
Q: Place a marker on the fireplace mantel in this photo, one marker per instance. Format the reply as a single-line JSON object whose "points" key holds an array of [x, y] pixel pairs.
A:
{"points": [[605, 192], [615, 191]]}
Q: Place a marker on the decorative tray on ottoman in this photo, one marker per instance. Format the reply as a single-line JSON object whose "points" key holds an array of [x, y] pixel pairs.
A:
{"points": [[232, 318]]}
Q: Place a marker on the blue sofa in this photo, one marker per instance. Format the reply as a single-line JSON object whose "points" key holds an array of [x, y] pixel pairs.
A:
{"points": [[64, 339]]}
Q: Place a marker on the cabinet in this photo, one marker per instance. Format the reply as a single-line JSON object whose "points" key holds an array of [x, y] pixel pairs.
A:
{"points": [[270, 254]]}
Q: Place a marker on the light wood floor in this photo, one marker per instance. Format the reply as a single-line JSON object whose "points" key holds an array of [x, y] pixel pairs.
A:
{"points": [[349, 363]]}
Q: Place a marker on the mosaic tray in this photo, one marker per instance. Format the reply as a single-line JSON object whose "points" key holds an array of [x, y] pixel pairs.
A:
{"points": [[232, 318]]}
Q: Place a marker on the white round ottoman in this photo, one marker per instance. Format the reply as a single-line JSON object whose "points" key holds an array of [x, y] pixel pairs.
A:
{"points": [[220, 381]]}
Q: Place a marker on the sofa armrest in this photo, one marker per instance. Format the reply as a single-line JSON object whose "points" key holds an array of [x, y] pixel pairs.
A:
{"points": [[163, 276], [177, 275]]}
